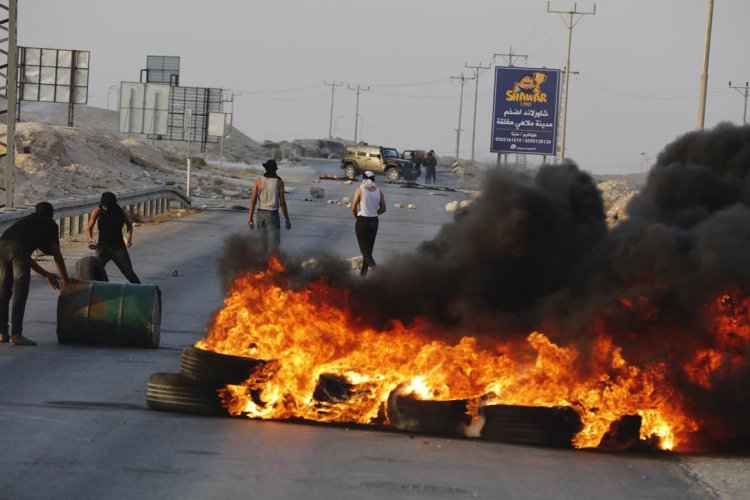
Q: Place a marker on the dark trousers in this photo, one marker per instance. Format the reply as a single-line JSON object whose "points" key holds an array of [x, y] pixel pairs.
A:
{"points": [[366, 229], [429, 176], [120, 257], [15, 275]]}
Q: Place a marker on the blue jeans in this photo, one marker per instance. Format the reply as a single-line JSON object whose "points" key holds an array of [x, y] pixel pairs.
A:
{"points": [[269, 227]]}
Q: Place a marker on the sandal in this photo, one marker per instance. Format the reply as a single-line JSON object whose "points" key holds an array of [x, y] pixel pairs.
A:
{"points": [[21, 340]]}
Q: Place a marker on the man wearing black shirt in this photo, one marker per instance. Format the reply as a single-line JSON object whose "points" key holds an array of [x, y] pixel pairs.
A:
{"points": [[109, 218], [36, 231]]}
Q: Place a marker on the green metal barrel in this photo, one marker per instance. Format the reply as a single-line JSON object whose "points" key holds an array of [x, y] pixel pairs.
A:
{"points": [[98, 312]]}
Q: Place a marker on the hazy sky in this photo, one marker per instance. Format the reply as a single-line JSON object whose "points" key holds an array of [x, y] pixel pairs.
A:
{"points": [[639, 64]]}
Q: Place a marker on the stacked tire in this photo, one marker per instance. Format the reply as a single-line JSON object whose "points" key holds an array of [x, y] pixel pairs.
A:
{"points": [[533, 425], [196, 388], [445, 418]]}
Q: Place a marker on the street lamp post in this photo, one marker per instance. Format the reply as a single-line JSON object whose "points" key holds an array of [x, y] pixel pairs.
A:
{"points": [[335, 122], [113, 88]]}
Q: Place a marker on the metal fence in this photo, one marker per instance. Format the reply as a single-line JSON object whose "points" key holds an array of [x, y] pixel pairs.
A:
{"points": [[72, 215]]}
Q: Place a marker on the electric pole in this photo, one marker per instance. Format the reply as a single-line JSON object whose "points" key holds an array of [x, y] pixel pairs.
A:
{"points": [[570, 23], [704, 74], [510, 55], [358, 90], [333, 86], [8, 91], [476, 69], [463, 80], [744, 93]]}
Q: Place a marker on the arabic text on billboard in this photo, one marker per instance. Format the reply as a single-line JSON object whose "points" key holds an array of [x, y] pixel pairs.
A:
{"points": [[525, 110]]}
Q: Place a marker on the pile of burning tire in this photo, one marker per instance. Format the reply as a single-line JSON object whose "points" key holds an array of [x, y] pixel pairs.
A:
{"points": [[203, 373]]}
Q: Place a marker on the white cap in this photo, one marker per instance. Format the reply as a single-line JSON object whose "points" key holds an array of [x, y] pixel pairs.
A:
{"points": [[369, 174]]}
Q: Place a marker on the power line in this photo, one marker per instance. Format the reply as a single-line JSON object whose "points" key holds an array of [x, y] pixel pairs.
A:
{"points": [[510, 55], [358, 90], [743, 90], [333, 86], [463, 80], [476, 69], [570, 23]]}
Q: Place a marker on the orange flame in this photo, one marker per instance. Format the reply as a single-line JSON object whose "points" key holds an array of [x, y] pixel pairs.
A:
{"points": [[309, 334]]}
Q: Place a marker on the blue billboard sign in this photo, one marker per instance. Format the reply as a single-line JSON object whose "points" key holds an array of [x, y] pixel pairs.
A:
{"points": [[525, 110]]}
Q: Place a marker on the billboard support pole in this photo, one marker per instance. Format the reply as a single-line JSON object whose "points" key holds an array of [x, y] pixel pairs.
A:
{"points": [[570, 23], [188, 131]]}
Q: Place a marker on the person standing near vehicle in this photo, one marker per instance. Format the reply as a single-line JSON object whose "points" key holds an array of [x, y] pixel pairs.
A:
{"points": [[430, 167], [368, 203], [110, 218], [268, 196], [36, 231]]}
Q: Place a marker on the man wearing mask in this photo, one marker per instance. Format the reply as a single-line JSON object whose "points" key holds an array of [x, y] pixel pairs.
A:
{"points": [[37, 231], [110, 218], [368, 203]]}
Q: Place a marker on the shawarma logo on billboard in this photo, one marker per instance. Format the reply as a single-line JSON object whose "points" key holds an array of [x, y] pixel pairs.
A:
{"points": [[528, 89]]}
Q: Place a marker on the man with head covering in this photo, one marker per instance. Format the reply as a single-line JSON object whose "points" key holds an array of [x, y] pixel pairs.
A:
{"points": [[368, 203], [110, 218], [268, 197], [36, 231], [430, 167]]}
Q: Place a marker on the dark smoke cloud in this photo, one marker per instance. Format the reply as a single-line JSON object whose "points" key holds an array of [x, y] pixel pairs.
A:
{"points": [[521, 240]]}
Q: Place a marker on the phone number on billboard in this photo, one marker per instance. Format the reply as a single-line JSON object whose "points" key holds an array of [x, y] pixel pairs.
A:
{"points": [[525, 141]]}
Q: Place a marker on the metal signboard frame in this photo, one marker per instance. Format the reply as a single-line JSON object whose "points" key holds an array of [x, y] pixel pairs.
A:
{"points": [[144, 108], [525, 110], [163, 69], [200, 101], [53, 75]]}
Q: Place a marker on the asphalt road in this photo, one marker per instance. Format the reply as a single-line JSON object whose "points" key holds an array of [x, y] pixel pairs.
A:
{"points": [[74, 421]]}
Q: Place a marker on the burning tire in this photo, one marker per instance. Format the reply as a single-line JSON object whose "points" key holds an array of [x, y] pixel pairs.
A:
{"points": [[535, 425], [429, 417], [90, 269], [177, 393], [216, 370]]}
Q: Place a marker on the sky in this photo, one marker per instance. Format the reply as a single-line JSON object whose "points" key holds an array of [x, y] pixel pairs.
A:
{"points": [[635, 81]]}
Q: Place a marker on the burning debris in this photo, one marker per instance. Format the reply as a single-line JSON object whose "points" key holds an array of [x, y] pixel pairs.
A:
{"points": [[527, 299]]}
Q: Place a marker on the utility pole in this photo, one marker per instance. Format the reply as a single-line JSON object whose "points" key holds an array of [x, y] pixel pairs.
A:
{"points": [[476, 69], [570, 23], [333, 86], [704, 74], [744, 93], [509, 58], [8, 91], [358, 90], [463, 80], [510, 55]]}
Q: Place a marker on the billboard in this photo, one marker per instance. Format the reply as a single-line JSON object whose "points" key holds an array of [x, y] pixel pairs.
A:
{"points": [[198, 102], [53, 75], [144, 108], [163, 69], [525, 109]]}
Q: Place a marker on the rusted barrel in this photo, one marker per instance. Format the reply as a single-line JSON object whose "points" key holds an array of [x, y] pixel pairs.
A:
{"points": [[97, 312]]}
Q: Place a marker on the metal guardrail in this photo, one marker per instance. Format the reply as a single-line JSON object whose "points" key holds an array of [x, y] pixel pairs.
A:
{"points": [[72, 214]]}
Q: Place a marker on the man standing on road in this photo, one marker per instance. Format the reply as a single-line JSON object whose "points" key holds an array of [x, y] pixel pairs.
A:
{"points": [[110, 219], [368, 203], [430, 166], [36, 231], [268, 196]]}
